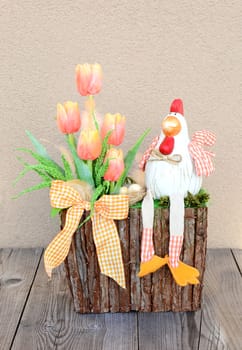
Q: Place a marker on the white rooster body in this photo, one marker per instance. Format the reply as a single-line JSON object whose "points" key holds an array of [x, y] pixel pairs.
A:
{"points": [[171, 171], [166, 178]]}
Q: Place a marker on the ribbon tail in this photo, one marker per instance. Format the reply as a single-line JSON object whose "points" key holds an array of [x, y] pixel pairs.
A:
{"points": [[108, 248], [58, 249]]}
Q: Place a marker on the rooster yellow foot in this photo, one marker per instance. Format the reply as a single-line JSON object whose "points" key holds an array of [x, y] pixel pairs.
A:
{"points": [[152, 265], [184, 274]]}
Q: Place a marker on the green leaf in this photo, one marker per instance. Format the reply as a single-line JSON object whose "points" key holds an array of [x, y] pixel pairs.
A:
{"points": [[106, 186], [55, 211], [101, 172], [129, 159], [40, 149], [21, 174], [97, 193], [38, 168], [82, 169], [101, 158], [46, 162], [67, 168], [33, 188]]}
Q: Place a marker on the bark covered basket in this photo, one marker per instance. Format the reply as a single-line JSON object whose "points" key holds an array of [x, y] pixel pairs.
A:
{"points": [[93, 292]]}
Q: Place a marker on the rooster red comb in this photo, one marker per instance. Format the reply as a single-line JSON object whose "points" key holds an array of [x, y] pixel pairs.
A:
{"points": [[177, 106]]}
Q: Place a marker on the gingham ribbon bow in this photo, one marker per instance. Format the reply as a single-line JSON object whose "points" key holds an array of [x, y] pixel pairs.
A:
{"points": [[156, 155], [105, 235], [202, 158]]}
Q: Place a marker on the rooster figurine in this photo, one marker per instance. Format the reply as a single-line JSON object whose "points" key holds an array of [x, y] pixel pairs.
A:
{"points": [[173, 165]]}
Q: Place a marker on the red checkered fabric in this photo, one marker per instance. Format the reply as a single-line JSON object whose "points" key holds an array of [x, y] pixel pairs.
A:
{"points": [[175, 246], [147, 247], [202, 158], [147, 153]]}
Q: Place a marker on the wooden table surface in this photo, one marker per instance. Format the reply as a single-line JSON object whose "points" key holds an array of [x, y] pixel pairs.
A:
{"points": [[38, 314]]}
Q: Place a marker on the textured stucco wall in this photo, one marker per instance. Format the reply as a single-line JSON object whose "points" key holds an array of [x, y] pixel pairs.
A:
{"points": [[151, 52]]}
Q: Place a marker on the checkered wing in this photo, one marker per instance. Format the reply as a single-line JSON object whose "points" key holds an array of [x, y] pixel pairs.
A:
{"points": [[202, 158]]}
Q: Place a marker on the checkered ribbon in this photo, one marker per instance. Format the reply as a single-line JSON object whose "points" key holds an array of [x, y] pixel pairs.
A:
{"points": [[147, 153], [106, 239], [147, 246], [202, 158], [175, 246]]}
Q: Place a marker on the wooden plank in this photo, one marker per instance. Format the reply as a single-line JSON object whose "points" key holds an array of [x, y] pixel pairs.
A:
{"points": [[237, 253], [158, 275], [124, 294], [169, 330], [156, 292], [49, 321], [222, 307], [200, 253], [188, 256], [166, 278], [17, 271], [134, 244]]}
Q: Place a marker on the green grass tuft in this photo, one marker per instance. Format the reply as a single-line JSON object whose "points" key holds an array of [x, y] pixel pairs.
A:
{"points": [[200, 200]]}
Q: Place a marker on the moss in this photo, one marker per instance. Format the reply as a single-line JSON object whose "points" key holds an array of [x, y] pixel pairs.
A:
{"points": [[200, 200]]}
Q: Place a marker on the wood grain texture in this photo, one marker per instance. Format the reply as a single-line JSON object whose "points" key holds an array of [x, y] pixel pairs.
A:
{"points": [[222, 310], [134, 232], [169, 331], [49, 321], [46, 319], [237, 253], [17, 271], [200, 253], [188, 256], [124, 294], [158, 275], [95, 293]]}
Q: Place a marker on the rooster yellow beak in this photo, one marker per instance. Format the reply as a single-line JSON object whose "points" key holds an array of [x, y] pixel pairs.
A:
{"points": [[171, 126]]}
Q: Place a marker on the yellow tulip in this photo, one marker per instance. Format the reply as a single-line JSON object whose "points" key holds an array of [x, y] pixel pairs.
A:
{"points": [[89, 145]]}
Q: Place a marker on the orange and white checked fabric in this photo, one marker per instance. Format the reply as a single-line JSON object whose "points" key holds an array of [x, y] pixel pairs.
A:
{"points": [[175, 246], [147, 246], [147, 153], [202, 158], [106, 239]]}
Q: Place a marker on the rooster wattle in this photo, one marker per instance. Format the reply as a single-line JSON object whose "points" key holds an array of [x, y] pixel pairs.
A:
{"points": [[173, 166]]}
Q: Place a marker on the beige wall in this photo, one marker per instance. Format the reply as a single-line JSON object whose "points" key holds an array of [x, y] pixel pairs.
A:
{"points": [[151, 52]]}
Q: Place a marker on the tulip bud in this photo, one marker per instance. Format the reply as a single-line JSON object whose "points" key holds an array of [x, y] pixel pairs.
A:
{"points": [[116, 123], [88, 78], [116, 164], [68, 117], [89, 145]]}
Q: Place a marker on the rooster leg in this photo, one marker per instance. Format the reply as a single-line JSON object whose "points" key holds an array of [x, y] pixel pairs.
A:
{"points": [[176, 228], [149, 261], [182, 273]]}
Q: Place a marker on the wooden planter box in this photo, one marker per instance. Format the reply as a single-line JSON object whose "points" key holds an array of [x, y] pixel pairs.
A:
{"points": [[93, 292]]}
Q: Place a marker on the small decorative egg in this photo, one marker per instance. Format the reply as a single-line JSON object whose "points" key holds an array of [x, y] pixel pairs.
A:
{"points": [[123, 190], [134, 188]]}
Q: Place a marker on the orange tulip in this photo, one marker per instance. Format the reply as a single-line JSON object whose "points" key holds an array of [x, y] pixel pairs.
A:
{"points": [[115, 122], [68, 117], [88, 78], [89, 145], [116, 164]]}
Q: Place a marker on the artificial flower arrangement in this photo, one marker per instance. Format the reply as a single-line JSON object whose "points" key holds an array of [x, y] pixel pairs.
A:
{"points": [[97, 162], [93, 184], [94, 168]]}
